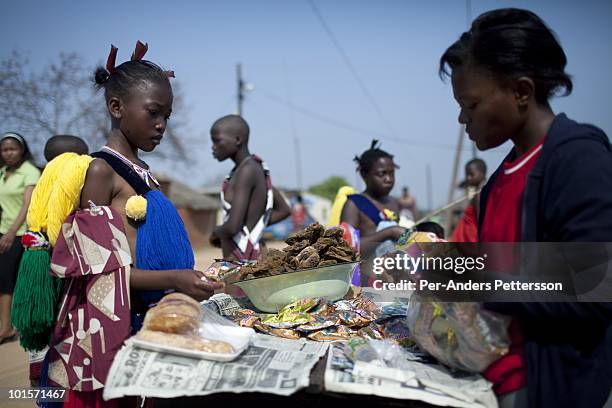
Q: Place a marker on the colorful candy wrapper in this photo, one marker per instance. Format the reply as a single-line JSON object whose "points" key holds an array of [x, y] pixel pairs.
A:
{"points": [[327, 335], [352, 318], [261, 327], [319, 323], [285, 333], [247, 321], [286, 321], [345, 331], [300, 306], [366, 308], [343, 305], [373, 331], [220, 270]]}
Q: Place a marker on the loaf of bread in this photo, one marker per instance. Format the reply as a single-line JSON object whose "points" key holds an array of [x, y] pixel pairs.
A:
{"points": [[175, 313], [185, 341]]}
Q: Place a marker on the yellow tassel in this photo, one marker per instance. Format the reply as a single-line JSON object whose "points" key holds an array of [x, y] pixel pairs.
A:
{"points": [[37, 212], [339, 201], [57, 193], [66, 196]]}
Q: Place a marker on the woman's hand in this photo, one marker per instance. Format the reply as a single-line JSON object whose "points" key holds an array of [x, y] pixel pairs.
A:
{"points": [[6, 241], [195, 284], [394, 233]]}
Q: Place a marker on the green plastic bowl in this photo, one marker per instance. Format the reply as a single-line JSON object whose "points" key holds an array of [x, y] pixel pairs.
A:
{"points": [[271, 293]]}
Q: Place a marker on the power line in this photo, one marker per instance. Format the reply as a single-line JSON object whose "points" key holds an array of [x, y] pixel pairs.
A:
{"points": [[346, 126], [350, 65]]}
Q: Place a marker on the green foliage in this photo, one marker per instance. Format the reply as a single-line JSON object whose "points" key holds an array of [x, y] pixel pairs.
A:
{"points": [[329, 187]]}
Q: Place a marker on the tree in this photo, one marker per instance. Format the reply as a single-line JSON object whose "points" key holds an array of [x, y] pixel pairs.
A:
{"points": [[60, 99], [328, 187]]}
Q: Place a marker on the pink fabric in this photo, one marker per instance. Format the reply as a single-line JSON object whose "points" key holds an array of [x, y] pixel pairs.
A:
{"points": [[92, 255]]}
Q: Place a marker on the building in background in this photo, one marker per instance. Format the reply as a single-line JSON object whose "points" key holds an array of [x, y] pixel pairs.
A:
{"points": [[198, 211]]}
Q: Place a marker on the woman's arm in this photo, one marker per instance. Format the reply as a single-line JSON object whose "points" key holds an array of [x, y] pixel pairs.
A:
{"points": [[368, 242], [7, 239]]}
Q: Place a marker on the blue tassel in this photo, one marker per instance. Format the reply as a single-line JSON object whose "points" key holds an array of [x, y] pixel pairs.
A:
{"points": [[162, 242], [44, 382]]}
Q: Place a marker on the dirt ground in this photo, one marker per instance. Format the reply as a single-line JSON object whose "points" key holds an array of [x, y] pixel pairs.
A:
{"points": [[14, 360]]}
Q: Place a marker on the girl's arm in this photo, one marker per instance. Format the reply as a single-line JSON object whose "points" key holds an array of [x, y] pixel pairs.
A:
{"points": [[281, 209], [245, 183], [98, 189]]}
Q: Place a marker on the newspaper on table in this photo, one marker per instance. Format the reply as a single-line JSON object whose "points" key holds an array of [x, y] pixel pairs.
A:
{"points": [[299, 345], [270, 365], [431, 384]]}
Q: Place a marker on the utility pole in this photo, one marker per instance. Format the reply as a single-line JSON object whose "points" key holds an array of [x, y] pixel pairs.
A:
{"points": [[453, 183], [240, 89], [298, 165], [296, 141], [428, 183], [468, 23]]}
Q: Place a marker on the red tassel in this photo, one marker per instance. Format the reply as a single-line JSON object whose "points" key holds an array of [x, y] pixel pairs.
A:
{"points": [[110, 62], [140, 51]]}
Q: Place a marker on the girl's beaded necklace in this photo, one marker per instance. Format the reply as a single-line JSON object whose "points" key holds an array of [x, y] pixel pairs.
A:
{"points": [[143, 173]]}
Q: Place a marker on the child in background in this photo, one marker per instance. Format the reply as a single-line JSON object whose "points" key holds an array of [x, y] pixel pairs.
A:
{"points": [[408, 207], [249, 201], [467, 228], [59, 144], [298, 214]]}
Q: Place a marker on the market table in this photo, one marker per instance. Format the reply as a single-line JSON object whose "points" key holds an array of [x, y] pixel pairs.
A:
{"points": [[294, 372], [314, 395]]}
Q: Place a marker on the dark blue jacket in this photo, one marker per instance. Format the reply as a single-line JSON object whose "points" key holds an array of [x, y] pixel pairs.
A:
{"points": [[568, 198]]}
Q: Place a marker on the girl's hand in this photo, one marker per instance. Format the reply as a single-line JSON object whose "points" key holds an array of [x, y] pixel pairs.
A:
{"points": [[195, 284], [6, 242]]}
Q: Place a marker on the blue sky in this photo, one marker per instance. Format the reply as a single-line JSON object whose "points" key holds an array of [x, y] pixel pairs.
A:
{"points": [[394, 46]]}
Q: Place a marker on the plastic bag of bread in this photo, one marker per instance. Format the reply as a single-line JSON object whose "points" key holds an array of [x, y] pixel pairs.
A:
{"points": [[175, 313], [185, 341], [180, 325]]}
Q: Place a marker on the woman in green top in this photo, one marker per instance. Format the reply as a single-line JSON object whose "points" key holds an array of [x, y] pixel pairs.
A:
{"points": [[18, 177]]}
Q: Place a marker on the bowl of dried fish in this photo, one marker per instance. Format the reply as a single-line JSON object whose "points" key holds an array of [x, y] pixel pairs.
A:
{"points": [[317, 262]]}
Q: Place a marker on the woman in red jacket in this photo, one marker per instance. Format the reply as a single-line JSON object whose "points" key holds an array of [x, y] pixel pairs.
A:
{"points": [[555, 186]]}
